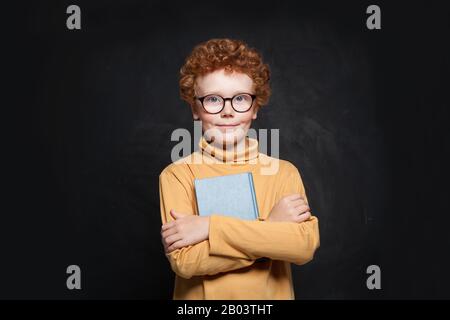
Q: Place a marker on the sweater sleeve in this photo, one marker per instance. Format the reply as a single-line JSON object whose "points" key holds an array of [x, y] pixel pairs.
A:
{"points": [[287, 241], [192, 260]]}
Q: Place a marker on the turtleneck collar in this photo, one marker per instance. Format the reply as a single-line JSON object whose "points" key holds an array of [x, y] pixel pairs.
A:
{"points": [[250, 151]]}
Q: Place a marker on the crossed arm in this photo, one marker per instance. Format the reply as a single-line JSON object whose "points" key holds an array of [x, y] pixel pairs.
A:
{"points": [[198, 245]]}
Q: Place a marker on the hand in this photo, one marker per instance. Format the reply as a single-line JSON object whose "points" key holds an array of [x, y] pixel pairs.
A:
{"points": [[187, 229], [292, 208]]}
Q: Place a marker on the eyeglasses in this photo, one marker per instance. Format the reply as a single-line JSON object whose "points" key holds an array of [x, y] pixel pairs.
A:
{"points": [[214, 103]]}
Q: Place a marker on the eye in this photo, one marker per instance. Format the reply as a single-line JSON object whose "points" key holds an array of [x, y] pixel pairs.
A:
{"points": [[242, 98], [212, 99]]}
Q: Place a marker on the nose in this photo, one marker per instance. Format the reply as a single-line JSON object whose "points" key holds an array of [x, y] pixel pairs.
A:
{"points": [[227, 109]]}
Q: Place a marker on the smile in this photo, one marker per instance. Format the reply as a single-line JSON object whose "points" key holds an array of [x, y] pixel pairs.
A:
{"points": [[225, 126]]}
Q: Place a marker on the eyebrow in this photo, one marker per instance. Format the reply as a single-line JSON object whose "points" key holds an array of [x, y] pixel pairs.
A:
{"points": [[219, 94]]}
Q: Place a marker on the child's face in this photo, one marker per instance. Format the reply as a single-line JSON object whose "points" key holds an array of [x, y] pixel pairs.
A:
{"points": [[227, 86]]}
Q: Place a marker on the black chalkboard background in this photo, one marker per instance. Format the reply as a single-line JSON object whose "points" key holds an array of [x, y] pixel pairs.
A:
{"points": [[363, 114]]}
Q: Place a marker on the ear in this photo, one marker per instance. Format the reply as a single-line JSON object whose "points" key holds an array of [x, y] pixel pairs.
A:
{"points": [[255, 113], [194, 112]]}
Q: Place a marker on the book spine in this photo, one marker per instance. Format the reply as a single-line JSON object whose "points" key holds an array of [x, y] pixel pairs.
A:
{"points": [[253, 192], [196, 197]]}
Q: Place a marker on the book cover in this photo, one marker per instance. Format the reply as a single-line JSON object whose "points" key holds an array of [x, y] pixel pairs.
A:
{"points": [[230, 195]]}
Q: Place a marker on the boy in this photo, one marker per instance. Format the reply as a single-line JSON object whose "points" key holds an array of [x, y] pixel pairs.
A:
{"points": [[218, 257]]}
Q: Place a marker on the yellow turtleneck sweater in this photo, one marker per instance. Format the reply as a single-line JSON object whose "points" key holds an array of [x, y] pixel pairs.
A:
{"points": [[227, 265]]}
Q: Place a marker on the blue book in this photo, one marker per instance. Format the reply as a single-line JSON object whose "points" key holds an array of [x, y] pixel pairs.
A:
{"points": [[231, 195]]}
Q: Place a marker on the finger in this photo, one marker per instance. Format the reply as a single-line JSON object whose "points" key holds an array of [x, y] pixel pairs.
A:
{"points": [[293, 196], [168, 225], [174, 214], [298, 202], [303, 217], [172, 239], [164, 244], [177, 215], [168, 232], [303, 208], [175, 245]]}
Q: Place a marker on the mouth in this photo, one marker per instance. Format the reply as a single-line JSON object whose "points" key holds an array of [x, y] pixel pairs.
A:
{"points": [[227, 126]]}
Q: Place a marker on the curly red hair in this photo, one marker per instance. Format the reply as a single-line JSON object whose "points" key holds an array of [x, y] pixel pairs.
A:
{"points": [[230, 55]]}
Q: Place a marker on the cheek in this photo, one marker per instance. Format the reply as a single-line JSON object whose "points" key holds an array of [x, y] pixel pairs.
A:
{"points": [[246, 119], [207, 120]]}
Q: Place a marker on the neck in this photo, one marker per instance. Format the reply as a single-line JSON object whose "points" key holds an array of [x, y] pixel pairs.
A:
{"points": [[229, 147], [241, 151]]}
